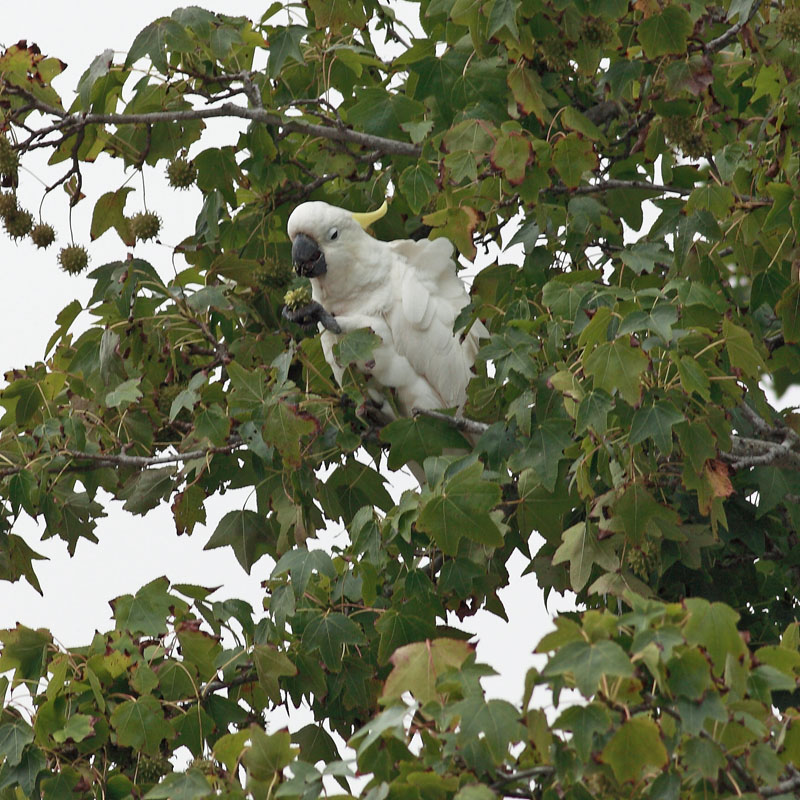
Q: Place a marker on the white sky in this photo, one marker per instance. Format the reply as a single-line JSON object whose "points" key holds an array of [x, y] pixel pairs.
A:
{"points": [[134, 550]]}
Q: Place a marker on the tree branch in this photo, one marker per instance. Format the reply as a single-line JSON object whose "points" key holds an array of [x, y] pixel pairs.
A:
{"points": [[459, 423], [613, 183], [784, 787], [731, 33], [72, 122], [139, 462]]}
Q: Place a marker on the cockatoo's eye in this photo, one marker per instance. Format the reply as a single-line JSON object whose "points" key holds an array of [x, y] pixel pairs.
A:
{"points": [[333, 234]]}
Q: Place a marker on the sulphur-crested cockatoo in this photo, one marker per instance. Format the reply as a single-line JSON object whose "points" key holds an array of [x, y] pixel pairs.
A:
{"points": [[406, 291]]}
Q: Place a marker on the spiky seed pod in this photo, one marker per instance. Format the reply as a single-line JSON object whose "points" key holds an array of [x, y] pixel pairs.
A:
{"points": [[596, 31], [9, 159], [8, 204], [73, 258], [553, 52], [789, 24], [181, 173], [145, 225], [18, 223], [297, 297], [43, 235], [690, 140], [274, 275], [149, 770]]}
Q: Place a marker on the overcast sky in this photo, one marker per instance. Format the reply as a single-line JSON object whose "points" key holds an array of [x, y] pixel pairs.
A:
{"points": [[134, 550]]}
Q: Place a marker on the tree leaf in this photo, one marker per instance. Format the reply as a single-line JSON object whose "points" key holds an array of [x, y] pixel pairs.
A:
{"points": [[616, 366], [416, 668], [109, 212], [572, 156], [461, 508], [248, 534], [271, 666], [634, 749], [665, 33], [330, 633], [140, 724]]}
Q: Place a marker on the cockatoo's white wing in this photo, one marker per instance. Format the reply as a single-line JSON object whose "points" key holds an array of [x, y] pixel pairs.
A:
{"points": [[431, 296]]}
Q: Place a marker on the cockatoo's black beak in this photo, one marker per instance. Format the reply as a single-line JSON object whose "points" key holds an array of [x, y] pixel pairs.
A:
{"points": [[308, 259]]}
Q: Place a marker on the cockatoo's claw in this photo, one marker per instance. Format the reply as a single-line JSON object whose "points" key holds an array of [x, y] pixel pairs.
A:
{"points": [[311, 314]]}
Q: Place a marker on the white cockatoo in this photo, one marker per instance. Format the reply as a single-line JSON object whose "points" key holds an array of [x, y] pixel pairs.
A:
{"points": [[406, 291]]}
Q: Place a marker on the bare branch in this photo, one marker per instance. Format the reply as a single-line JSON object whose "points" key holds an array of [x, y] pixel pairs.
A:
{"points": [[747, 452], [333, 132], [731, 33], [784, 787], [459, 423], [98, 460]]}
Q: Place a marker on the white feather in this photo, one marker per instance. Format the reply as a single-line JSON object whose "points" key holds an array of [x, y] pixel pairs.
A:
{"points": [[408, 293]]}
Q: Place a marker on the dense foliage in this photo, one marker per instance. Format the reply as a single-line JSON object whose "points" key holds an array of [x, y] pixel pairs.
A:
{"points": [[619, 404]]}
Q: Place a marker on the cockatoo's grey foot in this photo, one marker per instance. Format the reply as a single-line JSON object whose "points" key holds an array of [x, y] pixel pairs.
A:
{"points": [[311, 314]]}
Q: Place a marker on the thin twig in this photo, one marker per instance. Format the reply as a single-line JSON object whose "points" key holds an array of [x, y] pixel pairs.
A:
{"points": [[459, 423]]}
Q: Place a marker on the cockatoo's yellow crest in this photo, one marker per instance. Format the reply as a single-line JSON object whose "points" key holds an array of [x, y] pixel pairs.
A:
{"points": [[366, 219]]}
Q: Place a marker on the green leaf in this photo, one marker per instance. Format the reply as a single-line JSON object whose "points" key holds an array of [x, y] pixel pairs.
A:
{"points": [[213, 424], [14, 737], [271, 666], [127, 392], [400, 628], [416, 668], [496, 723], [716, 199], [78, 728], [140, 724], [181, 786], [109, 212], [285, 429], [582, 549], [572, 156], [301, 564], [636, 509], [417, 438], [461, 508], [418, 185], [636, 747], [146, 611], [741, 350], [25, 651], [216, 169], [693, 378], [713, 627], [655, 422], [704, 758], [249, 535], [228, 748], [382, 113], [511, 154], [543, 451], [688, 674], [503, 15], [146, 490], [584, 722], [284, 43], [268, 753], [768, 287], [643, 256], [588, 663], [665, 33], [616, 366], [789, 311], [593, 412], [330, 633]]}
